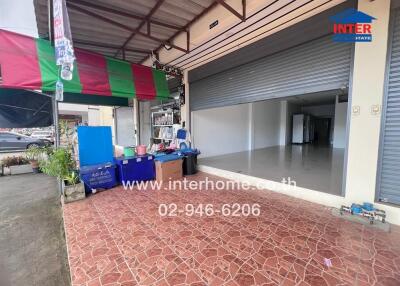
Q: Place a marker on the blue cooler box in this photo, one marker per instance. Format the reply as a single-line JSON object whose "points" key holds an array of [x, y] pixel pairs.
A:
{"points": [[135, 169], [101, 176]]}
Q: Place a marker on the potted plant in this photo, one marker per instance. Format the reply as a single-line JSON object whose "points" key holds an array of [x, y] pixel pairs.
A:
{"points": [[60, 164], [17, 165], [33, 155], [73, 188]]}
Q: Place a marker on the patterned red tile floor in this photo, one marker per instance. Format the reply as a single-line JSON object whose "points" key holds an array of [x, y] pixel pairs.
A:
{"points": [[117, 237]]}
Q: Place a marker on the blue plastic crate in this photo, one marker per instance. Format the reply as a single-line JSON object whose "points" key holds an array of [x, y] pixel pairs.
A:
{"points": [[356, 208], [135, 169], [101, 176], [95, 145], [368, 207]]}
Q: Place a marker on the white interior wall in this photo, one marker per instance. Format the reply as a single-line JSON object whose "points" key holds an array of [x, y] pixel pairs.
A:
{"points": [[339, 135], [221, 130], [237, 128], [266, 118], [283, 122]]}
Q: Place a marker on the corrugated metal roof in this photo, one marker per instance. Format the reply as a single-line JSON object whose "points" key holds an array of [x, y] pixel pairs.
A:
{"points": [[104, 26]]}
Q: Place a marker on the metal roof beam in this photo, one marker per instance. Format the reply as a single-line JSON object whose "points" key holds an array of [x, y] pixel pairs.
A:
{"points": [[112, 22], [109, 46], [121, 13], [233, 11], [144, 21], [186, 28]]}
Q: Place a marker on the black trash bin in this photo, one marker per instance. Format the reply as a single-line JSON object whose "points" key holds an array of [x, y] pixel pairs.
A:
{"points": [[190, 164]]}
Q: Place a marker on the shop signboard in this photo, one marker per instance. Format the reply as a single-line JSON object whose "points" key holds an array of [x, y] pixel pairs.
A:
{"points": [[352, 26]]}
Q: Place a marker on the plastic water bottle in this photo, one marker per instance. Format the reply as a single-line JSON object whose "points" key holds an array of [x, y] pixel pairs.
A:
{"points": [[59, 91]]}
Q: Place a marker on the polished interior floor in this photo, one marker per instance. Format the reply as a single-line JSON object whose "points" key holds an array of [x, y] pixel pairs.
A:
{"points": [[118, 237], [316, 167]]}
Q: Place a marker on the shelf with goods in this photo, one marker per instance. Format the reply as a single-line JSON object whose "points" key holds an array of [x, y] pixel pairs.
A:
{"points": [[162, 125], [162, 139]]}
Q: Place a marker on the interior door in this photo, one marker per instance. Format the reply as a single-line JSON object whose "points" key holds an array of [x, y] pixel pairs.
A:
{"points": [[322, 130]]}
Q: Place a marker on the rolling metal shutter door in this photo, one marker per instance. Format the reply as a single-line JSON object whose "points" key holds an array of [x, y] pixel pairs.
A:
{"points": [[389, 169], [318, 65]]}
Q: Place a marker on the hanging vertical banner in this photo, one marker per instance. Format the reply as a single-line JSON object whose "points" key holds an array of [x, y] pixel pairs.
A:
{"points": [[64, 50]]}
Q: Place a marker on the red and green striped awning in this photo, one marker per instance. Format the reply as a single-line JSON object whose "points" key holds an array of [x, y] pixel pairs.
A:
{"points": [[29, 63]]}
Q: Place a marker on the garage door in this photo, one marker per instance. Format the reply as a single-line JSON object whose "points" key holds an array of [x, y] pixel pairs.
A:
{"points": [[319, 65], [389, 169]]}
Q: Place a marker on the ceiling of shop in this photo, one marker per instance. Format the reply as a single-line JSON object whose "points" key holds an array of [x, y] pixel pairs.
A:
{"points": [[318, 98], [126, 29], [305, 31]]}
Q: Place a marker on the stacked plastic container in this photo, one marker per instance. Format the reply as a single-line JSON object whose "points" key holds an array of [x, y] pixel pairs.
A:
{"points": [[97, 168], [132, 170]]}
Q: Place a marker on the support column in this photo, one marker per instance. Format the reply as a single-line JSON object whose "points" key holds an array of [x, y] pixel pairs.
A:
{"points": [[283, 123], [185, 109], [251, 132], [136, 120], [366, 94]]}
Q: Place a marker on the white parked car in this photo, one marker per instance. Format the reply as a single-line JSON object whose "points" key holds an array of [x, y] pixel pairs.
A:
{"points": [[46, 135]]}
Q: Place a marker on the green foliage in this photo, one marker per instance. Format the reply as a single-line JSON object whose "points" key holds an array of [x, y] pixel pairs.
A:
{"points": [[14, 161], [72, 178], [59, 164], [36, 153], [64, 128], [66, 133]]}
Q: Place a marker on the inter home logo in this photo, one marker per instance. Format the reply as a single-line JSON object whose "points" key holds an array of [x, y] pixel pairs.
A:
{"points": [[352, 26]]}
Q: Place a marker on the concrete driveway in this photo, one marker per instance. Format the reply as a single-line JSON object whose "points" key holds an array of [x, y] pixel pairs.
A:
{"points": [[32, 243]]}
